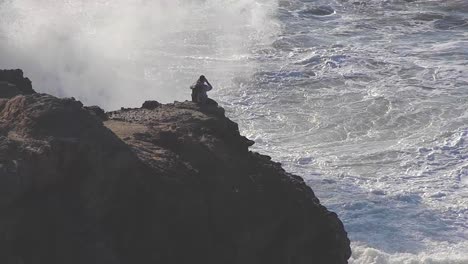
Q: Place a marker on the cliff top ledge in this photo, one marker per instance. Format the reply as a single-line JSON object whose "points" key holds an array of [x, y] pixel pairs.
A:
{"points": [[164, 183]]}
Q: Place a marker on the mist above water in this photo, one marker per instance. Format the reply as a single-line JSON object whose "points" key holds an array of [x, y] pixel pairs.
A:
{"points": [[120, 53]]}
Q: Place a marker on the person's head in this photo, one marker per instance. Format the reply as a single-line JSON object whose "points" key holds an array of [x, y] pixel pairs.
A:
{"points": [[201, 79]]}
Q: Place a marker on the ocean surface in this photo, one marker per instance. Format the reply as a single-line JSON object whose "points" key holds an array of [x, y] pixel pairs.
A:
{"points": [[367, 100]]}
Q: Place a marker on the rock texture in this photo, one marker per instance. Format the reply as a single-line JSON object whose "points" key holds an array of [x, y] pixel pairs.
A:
{"points": [[12, 83], [171, 183]]}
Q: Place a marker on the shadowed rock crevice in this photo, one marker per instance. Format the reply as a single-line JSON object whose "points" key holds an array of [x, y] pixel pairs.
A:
{"points": [[165, 183]]}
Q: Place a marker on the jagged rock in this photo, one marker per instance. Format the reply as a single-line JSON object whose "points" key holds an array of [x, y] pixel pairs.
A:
{"points": [[17, 82], [176, 184], [97, 111], [8, 90], [150, 105], [59, 173], [259, 213]]}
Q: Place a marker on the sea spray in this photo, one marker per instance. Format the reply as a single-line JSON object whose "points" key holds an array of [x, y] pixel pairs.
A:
{"points": [[119, 53]]}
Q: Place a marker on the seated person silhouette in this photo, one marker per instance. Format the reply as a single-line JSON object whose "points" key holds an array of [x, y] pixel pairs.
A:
{"points": [[199, 90]]}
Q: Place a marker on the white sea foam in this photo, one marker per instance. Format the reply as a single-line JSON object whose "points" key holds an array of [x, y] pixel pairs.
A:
{"points": [[369, 104], [367, 255]]}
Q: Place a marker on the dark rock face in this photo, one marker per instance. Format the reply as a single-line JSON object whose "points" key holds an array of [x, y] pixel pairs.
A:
{"points": [[56, 162], [8, 90], [151, 105], [97, 111], [175, 184], [12, 83]]}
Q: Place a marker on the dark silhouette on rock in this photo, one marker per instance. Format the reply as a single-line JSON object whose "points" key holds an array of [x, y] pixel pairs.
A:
{"points": [[150, 105], [98, 112], [12, 83], [199, 91], [174, 184]]}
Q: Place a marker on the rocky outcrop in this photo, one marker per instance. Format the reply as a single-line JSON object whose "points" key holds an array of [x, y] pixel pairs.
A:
{"points": [[12, 83], [168, 183], [150, 105], [97, 111]]}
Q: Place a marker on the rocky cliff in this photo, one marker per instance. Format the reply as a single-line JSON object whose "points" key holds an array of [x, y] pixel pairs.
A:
{"points": [[165, 183]]}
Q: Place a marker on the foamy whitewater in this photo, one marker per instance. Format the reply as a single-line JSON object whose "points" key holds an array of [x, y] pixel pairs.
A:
{"points": [[367, 100]]}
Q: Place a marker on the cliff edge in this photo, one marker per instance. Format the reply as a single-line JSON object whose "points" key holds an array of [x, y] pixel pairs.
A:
{"points": [[165, 183]]}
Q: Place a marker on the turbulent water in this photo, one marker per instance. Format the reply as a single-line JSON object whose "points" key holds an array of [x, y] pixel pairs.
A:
{"points": [[367, 100]]}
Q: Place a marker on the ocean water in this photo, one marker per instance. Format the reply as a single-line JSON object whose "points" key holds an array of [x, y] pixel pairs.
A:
{"points": [[367, 100]]}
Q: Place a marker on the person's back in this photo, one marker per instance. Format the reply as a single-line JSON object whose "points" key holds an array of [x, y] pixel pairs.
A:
{"points": [[199, 90], [195, 93]]}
